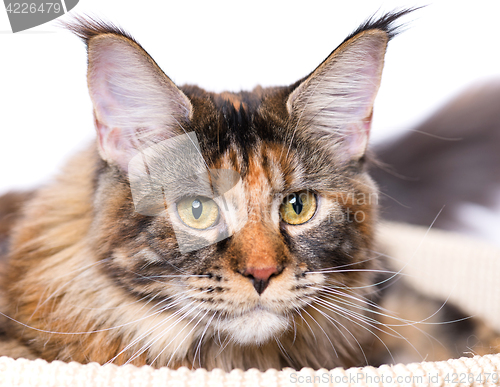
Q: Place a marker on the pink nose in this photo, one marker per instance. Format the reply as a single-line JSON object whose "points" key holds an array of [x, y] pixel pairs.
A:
{"points": [[260, 276]]}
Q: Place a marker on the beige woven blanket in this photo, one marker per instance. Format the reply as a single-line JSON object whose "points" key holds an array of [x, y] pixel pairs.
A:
{"points": [[436, 262]]}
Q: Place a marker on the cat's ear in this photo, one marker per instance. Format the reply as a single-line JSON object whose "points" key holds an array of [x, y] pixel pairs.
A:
{"points": [[335, 102], [135, 103]]}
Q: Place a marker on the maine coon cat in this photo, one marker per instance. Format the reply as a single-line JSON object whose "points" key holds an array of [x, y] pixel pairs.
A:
{"points": [[231, 230]]}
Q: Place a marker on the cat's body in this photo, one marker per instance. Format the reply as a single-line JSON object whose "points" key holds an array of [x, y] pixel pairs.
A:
{"points": [[277, 268]]}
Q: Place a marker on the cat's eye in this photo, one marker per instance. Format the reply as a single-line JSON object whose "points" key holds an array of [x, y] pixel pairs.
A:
{"points": [[198, 212], [298, 207]]}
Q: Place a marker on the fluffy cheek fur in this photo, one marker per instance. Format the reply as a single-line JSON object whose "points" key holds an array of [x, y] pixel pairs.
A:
{"points": [[133, 297], [207, 287]]}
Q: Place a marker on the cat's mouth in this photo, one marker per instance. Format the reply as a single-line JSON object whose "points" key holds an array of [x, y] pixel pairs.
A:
{"points": [[255, 326]]}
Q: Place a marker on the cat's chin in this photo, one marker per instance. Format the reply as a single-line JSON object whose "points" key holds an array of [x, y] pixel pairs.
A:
{"points": [[255, 327]]}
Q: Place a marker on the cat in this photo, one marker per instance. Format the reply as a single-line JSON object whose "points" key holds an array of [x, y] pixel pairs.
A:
{"points": [[232, 230]]}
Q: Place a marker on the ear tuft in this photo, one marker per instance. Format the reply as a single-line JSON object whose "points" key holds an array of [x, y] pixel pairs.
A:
{"points": [[88, 27], [387, 23]]}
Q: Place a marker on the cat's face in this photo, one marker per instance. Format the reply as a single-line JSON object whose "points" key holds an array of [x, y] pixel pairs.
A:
{"points": [[242, 217], [296, 223]]}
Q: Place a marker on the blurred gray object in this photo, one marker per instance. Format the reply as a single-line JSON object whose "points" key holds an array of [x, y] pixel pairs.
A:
{"points": [[446, 165]]}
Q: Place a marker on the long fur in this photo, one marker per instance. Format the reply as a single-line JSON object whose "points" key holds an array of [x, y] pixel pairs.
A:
{"points": [[89, 278]]}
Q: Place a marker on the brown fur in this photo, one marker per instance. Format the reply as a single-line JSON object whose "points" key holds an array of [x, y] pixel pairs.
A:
{"points": [[48, 279], [91, 278], [10, 207]]}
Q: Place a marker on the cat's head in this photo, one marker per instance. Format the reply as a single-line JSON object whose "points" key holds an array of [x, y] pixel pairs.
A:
{"points": [[246, 213]]}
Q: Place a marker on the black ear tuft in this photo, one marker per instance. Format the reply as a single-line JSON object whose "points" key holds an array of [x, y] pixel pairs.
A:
{"points": [[386, 23], [88, 27]]}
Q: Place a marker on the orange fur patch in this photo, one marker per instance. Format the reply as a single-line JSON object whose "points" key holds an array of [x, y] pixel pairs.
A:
{"points": [[233, 99]]}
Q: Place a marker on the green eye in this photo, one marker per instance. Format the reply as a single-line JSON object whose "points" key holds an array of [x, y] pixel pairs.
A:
{"points": [[198, 212], [298, 207]]}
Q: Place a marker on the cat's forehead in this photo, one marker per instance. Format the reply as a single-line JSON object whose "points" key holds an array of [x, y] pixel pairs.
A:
{"points": [[273, 167], [264, 167], [251, 132], [246, 111]]}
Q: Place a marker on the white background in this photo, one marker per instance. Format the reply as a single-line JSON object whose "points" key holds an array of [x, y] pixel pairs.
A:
{"points": [[45, 112]]}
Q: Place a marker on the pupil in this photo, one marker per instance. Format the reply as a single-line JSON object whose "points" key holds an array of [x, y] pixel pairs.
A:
{"points": [[197, 208], [296, 204]]}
